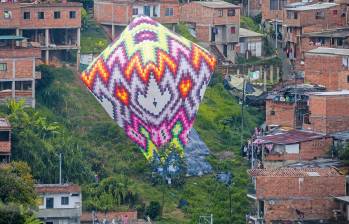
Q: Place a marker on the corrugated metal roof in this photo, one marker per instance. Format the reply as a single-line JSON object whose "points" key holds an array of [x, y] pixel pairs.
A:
{"points": [[294, 172], [329, 33], [331, 93], [328, 50], [316, 6], [217, 4], [290, 137], [248, 33]]}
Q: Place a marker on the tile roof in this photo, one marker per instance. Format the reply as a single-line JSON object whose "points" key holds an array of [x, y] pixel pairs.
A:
{"points": [[294, 172], [57, 188], [87, 216], [289, 137]]}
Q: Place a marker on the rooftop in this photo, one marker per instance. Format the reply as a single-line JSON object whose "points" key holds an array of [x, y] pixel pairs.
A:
{"points": [[328, 50], [217, 4], [318, 163], [316, 6], [289, 137], [344, 199], [330, 33], [294, 172], [249, 33], [341, 135], [87, 216], [331, 93], [57, 188]]}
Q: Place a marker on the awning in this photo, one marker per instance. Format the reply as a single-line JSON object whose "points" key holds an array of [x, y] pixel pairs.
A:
{"points": [[11, 37], [344, 199]]}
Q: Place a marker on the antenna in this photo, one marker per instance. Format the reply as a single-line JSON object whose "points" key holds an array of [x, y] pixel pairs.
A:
{"points": [[60, 168]]}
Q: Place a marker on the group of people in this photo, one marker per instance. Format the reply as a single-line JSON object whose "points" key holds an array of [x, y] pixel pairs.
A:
{"points": [[252, 151]]}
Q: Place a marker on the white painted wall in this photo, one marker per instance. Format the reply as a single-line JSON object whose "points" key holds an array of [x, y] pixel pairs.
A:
{"points": [[74, 201]]}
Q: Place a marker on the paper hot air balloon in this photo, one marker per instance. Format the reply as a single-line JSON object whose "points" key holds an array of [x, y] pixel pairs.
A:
{"points": [[151, 82]]}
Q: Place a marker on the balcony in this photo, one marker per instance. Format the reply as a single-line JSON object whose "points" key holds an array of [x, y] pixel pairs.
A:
{"points": [[59, 213]]}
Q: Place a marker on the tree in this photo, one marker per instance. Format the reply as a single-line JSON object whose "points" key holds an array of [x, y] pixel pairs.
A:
{"points": [[17, 185], [153, 210]]}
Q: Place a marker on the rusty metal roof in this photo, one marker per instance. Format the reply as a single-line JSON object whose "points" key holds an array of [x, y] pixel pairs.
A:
{"points": [[290, 137], [294, 172], [57, 188]]}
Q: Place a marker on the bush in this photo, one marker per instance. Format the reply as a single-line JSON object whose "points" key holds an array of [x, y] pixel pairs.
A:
{"points": [[153, 210]]}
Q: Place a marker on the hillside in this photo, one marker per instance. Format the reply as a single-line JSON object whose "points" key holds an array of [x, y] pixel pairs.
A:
{"points": [[69, 120], [104, 150]]}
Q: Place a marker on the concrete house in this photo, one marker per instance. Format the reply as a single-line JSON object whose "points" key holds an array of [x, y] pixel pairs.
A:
{"points": [[5, 141], [251, 43], [59, 203]]}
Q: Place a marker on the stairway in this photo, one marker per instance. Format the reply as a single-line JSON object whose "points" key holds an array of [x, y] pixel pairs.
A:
{"points": [[216, 52]]}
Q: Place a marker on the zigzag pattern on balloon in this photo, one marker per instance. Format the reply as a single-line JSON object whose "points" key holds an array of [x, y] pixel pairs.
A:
{"points": [[151, 81]]}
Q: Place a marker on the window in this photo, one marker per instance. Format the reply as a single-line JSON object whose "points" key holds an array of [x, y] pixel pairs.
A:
{"points": [[231, 12], [146, 10], [4, 136], [7, 14], [64, 200], [49, 202], [347, 78], [3, 67], [232, 30], [272, 112], [154, 12], [274, 4], [72, 14], [220, 12], [169, 12], [335, 12], [292, 15], [134, 11], [320, 15], [75, 195], [345, 62], [23, 85], [5, 85], [339, 42], [26, 15], [57, 14], [41, 15]]}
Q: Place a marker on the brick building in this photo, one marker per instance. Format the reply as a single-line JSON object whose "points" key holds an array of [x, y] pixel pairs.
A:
{"points": [[54, 27], [112, 217], [216, 25], [5, 140], [115, 15], [17, 69], [328, 67], [285, 147], [295, 194], [328, 112], [299, 19]]}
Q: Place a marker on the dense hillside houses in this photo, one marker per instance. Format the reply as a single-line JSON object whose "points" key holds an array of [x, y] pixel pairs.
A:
{"points": [[54, 27]]}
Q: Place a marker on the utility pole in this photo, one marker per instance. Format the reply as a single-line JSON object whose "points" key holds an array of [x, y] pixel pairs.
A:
{"points": [[248, 7], [242, 112], [276, 34], [60, 168]]}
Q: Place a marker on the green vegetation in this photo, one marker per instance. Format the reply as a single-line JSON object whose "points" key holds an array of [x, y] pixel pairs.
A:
{"points": [[17, 194], [249, 23], [93, 38], [183, 30]]}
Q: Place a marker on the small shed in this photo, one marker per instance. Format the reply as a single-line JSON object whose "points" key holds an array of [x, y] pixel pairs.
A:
{"points": [[250, 43]]}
